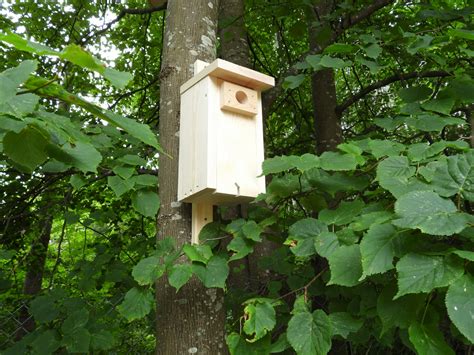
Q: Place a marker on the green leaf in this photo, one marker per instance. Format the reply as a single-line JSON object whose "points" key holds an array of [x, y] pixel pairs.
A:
{"points": [[456, 176], [461, 33], [77, 181], [415, 93], [145, 180], [43, 309], [84, 156], [335, 63], [134, 160], [378, 249], [283, 163], [345, 265], [148, 270], [119, 185], [400, 312], [199, 253], [444, 105], [20, 105], [24, 45], [241, 247], [342, 48], [293, 81], [326, 243], [102, 340], [9, 124], [343, 324], [138, 130], [260, 319], [366, 220], [338, 162], [460, 305], [239, 346], [310, 334], [373, 50], [393, 173], [430, 213], [137, 304], [344, 214], [465, 254], [179, 275], [146, 202], [46, 342], [421, 42], [428, 340], [75, 321], [77, 342], [381, 148], [423, 273], [301, 236], [252, 231], [27, 149], [332, 183], [11, 78], [125, 172], [214, 274], [373, 66]]}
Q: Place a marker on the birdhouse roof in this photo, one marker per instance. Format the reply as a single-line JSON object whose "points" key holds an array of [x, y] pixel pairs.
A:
{"points": [[234, 73]]}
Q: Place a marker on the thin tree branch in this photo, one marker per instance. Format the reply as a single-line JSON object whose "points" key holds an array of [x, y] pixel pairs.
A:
{"points": [[123, 12], [351, 20], [387, 81]]}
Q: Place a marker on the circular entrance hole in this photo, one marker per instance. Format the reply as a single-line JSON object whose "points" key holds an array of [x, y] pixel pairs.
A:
{"points": [[241, 97]]}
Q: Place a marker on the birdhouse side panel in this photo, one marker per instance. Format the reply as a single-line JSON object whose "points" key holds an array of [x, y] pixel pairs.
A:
{"points": [[239, 154], [195, 172]]}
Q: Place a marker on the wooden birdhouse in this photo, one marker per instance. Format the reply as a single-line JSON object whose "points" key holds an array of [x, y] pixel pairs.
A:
{"points": [[221, 138]]}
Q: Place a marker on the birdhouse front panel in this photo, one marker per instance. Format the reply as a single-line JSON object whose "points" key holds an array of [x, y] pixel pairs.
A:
{"points": [[221, 135]]}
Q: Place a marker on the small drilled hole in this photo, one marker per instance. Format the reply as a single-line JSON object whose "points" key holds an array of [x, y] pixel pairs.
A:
{"points": [[241, 97]]}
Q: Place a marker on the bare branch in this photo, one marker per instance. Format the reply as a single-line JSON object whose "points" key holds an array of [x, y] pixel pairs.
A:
{"points": [[387, 81], [351, 20], [123, 12]]}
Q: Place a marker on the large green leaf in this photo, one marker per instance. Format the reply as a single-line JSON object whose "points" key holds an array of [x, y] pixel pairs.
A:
{"points": [[73, 53], [148, 270], [46, 342], [345, 266], [414, 93], [84, 156], [119, 185], [400, 312], [77, 342], [44, 309], [238, 345], [381, 148], [11, 78], [179, 275], [310, 334], [326, 243], [146, 202], [260, 319], [136, 304], [430, 213], [282, 163], [338, 162], [393, 174], [75, 321], [343, 324], [344, 214], [301, 236], [378, 249], [423, 273], [215, 273], [428, 340], [26, 149], [456, 176], [460, 305]]}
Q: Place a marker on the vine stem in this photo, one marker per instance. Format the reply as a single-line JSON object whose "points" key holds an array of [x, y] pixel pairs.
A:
{"points": [[305, 287]]}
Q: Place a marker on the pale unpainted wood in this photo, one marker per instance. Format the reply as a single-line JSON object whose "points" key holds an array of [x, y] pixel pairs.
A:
{"points": [[233, 73], [199, 65], [239, 99], [201, 215]]}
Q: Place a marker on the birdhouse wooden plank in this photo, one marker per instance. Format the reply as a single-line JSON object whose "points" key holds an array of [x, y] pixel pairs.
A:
{"points": [[221, 138]]}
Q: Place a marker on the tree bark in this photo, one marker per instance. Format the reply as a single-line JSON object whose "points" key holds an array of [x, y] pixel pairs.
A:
{"points": [[326, 120], [34, 274], [192, 320]]}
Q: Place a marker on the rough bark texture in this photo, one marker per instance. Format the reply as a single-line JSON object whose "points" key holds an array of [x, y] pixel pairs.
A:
{"points": [[326, 121], [192, 320], [233, 45]]}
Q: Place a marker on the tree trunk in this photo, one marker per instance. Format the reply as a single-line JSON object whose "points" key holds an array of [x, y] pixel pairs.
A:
{"points": [[34, 274], [326, 121], [192, 320]]}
